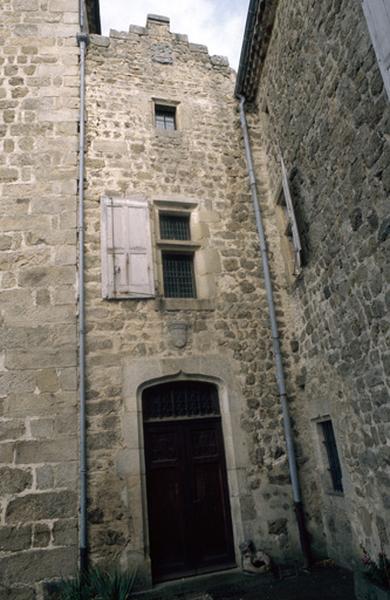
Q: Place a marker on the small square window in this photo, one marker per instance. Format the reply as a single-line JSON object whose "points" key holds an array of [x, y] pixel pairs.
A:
{"points": [[329, 442], [178, 273], [165, 117]]}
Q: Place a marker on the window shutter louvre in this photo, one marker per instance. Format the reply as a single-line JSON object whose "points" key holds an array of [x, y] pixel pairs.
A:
{"points": [[291, 215], [377, 13], [126, 249]]}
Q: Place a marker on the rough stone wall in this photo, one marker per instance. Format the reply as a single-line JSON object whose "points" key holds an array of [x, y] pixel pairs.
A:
{"points": [[201, 161], [38, 178], [322, 101]]}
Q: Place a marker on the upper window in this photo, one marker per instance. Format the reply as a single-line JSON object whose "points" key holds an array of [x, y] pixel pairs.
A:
{"points": [[174, 227], [165, 117]]}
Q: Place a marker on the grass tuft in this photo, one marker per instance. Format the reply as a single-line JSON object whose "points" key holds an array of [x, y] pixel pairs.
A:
{"points": [[98, 584]]}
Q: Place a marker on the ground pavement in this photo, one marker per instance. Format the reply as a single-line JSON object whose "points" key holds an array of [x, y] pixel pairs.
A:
{"points": [[328, 583]]}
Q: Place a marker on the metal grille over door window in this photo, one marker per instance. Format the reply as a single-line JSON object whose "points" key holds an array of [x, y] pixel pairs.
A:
{"points": [[180, 400]]}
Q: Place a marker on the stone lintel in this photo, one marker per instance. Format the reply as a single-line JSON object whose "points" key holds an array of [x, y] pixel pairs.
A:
{"points": [[157, 18]]}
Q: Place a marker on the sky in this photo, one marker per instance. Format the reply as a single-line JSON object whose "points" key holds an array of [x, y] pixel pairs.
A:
{"points": [[219, 24]]}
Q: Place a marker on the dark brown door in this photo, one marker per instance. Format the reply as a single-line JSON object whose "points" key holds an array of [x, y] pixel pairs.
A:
{"points": [[188, 504]]}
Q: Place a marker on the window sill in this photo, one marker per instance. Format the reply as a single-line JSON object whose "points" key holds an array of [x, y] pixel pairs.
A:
{"points": [[334, 493], [178, 245], [129, 297], [175, 304], [168, 133]]}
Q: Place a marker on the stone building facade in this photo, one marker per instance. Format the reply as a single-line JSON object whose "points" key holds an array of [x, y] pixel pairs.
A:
{"points": [[181, 388], [315, 95], [221, 336], [39, 106]]}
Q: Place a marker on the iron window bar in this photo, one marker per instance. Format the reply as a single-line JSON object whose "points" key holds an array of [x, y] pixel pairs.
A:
{"points": [[174, 227]]}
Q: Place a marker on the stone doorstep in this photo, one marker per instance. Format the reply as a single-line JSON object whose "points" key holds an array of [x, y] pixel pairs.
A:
{"points": [[193, 588], [322, 583]]}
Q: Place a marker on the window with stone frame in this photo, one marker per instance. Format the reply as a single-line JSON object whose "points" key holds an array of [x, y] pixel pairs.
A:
{"points": [[187, 265], [177, 254]]}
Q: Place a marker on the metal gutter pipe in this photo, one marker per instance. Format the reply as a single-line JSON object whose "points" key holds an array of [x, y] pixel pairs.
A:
{"points": [[298, 506], [82, 40]]}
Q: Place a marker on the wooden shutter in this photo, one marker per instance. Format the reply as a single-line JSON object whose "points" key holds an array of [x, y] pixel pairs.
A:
{"points": [[291, 216], [377, 13], [126, 249]]}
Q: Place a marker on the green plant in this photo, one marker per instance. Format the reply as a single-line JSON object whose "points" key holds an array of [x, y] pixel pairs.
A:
{"points": [[378, 572], [98, 584], [75, 588], [111, 584]]}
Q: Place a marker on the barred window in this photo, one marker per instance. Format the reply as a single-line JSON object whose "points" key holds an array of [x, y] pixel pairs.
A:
{"points": [[178, 273], [174, 227], [177, 252], [329, 442]]}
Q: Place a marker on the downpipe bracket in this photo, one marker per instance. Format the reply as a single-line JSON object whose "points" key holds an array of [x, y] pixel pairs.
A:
{"points": [[82, 37]]}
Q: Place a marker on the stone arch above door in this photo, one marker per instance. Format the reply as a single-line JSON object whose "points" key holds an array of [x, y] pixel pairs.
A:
{"points": [[139, 375]]}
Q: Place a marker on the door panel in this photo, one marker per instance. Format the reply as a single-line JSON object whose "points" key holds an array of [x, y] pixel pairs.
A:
{"points": [[188, 503], [165, 489], [211, 511]]}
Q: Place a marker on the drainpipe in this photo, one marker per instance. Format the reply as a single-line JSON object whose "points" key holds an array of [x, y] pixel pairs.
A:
{"points": [[82, 40], [292, 463]]}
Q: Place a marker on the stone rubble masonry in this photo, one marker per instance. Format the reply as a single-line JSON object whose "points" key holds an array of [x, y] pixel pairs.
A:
{"points": [[39, 103], [326, 108], [333, 320], [203, 162]]}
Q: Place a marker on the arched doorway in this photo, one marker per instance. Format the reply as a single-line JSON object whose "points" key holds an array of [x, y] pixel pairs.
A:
{"points": [[190, 528]]}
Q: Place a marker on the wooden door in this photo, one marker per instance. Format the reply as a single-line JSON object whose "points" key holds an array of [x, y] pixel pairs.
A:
{"points": [[190, 527]]}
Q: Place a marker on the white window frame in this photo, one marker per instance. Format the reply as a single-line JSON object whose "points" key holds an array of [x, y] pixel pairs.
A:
{"points": [[285, 196], [377, 13]]}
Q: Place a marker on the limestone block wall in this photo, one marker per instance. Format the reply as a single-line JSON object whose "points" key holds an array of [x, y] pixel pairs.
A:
{"points": [[321, 101], [129, 342], [38, 352]]}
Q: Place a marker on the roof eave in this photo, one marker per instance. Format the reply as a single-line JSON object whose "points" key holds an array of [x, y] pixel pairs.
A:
{"points": [[257, 35], [93, 11]]}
